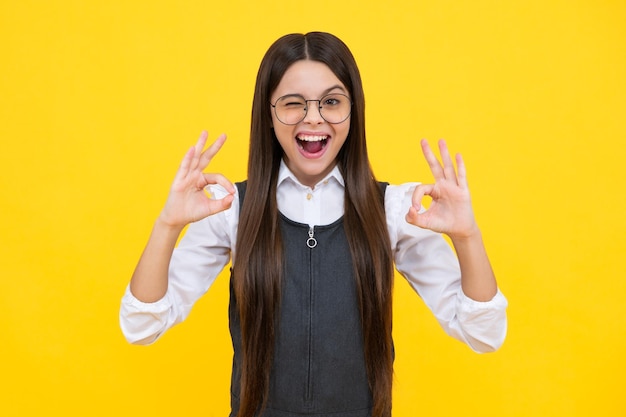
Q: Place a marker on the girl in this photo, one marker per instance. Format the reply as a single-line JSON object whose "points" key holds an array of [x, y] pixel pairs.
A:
{"points": [[313, 239]]}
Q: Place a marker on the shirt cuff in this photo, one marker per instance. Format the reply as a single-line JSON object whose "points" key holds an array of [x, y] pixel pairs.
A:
{"points": [[143, 323], [483, 323], [133, 304], [469, 305]]}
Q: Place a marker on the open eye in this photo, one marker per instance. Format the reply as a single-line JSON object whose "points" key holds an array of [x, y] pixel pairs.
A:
{"points": [[334, 100]]}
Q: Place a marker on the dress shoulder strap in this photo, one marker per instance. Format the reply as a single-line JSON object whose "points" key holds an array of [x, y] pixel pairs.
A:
{"points": [[241, 188], [383, 187]]}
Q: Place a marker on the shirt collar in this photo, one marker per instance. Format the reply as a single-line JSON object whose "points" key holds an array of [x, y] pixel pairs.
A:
{"points": [[284, 173]]}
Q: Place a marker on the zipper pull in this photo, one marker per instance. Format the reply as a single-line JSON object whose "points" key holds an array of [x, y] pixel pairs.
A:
{"points": [[311, 242]]}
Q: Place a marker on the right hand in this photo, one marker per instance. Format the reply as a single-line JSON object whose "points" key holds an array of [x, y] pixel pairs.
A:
{"points": [[188, 201]]}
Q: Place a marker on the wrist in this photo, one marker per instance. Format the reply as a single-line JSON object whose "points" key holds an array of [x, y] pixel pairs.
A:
{"points": [[471, 236], [167, 226]]}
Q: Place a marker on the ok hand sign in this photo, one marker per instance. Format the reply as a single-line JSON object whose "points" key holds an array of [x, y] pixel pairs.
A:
{"points": [[450, 211], [188, 201]]}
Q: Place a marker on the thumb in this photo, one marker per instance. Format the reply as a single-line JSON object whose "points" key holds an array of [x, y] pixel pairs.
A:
{"points": [[412, 216], [219, 205], [416, 218]]}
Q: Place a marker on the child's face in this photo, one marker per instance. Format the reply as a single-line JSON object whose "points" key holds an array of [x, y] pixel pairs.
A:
{"points": [[311, 146]]}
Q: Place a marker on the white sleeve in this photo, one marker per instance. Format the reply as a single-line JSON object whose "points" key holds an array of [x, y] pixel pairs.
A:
{"points": [[429, 264], [200, 256]]}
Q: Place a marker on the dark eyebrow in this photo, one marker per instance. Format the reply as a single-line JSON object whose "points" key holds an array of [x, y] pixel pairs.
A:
{"points": [[328, 90], [292, 95], [324, 93]]}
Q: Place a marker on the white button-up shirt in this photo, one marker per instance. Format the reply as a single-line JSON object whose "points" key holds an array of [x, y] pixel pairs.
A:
{"points": [[421, 256]]}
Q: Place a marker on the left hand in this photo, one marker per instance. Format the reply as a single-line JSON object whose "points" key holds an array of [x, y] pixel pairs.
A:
{"points": [[450, 211]]}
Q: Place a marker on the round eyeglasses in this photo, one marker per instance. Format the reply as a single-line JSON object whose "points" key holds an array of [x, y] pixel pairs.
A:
{"points": [[292, 108]]}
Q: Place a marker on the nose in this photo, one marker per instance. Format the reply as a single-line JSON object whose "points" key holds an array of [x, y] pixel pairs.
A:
{"points": [[313, 112]]}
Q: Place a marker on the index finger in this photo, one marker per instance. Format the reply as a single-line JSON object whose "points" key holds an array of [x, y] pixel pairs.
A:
{"points": [[211, 151], [433, 162], [448, 166]]}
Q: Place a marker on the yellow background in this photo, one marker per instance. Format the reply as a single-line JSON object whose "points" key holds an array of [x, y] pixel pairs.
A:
{"points": [[99, 100]]}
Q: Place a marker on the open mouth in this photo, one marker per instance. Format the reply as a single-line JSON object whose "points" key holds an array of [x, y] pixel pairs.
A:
{"points": [[312, 144]]}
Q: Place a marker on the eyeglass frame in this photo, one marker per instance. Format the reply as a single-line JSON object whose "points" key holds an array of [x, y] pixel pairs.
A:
{"points": [[306, 109]]}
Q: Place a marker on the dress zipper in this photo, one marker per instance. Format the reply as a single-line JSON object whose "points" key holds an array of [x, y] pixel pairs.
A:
{"points": [[311, 242]]}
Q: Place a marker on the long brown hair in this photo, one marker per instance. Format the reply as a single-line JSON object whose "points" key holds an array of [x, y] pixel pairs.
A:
{"points": [[258, 262]]}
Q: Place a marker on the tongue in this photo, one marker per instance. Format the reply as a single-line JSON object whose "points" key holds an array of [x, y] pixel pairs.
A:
{"points": [[312, 147]]}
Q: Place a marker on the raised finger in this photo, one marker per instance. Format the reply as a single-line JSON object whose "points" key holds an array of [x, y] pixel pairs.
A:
{"points": [[193, 164], [431, 159], [211, 151], [186, 163], [448, 166], [462, 173]]}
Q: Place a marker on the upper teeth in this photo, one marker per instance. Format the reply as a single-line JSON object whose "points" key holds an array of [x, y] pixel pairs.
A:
{"points": [[308, 138]]}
